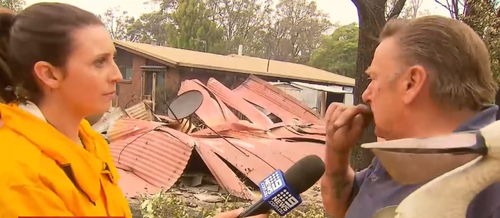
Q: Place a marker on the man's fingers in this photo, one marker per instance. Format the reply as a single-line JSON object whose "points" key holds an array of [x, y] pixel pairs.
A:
{"points": [[346, 118], [330, 110], [339, 115], [333, 117]]}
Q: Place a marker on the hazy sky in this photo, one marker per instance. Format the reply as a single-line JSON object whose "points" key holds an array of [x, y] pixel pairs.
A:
{"points": [[342, 11]]}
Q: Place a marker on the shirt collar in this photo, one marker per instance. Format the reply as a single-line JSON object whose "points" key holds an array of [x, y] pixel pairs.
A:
{"points": [[31, 108], [485, 117]]}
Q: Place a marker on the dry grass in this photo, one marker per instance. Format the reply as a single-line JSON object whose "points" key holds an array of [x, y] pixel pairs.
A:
{"points": [[168, 205]]}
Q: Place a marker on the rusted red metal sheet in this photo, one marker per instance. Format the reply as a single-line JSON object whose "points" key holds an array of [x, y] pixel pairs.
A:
{"points": [[275, 100], [311, 129], [267, 152], [238, 103], [154, 156], [222, 173], [255, 98], [225, 110], [234, 130], [212, 111], [133, 186], [247, 163], [260, 157], [287, 132], [128, 127], [295, 150]]}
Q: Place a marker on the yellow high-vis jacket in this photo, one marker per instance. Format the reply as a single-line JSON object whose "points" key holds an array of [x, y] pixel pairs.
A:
{"points": [[43, 173]]}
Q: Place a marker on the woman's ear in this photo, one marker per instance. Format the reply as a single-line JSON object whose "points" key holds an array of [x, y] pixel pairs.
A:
{"points": [[48, 75]]}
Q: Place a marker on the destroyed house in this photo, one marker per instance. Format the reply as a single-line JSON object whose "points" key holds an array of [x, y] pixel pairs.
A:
{"points": [[155, 73]]}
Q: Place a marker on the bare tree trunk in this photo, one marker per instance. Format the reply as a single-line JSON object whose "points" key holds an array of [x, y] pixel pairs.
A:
{"points": [[371, 20]]}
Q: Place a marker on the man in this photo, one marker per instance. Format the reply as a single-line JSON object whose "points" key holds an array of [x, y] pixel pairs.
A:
{"points": [[429, 76]]}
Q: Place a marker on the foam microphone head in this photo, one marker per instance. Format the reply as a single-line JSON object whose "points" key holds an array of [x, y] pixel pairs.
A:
{"points": [[281, 191], [304, 173]]}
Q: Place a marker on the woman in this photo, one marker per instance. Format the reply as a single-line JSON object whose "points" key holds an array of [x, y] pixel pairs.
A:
{"points": [[56, 67]]}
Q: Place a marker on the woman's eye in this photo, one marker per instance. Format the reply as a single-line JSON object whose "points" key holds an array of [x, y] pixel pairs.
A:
{"points": [[100, 62]]}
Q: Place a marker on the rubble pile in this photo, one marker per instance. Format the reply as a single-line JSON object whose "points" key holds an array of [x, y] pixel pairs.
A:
{"points": [[212, 141]]}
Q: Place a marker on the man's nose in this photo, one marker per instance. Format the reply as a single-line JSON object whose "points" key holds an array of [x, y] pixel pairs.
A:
{"points": [[366, 95]]}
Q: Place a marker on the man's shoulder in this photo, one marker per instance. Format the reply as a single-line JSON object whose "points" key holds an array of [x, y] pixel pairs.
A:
{"points": [[486, 203]]}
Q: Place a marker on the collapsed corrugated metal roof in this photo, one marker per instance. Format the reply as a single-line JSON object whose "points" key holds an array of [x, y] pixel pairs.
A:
{"points": [[237, 152]]}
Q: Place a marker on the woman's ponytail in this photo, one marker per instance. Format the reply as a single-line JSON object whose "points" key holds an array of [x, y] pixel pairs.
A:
{"points": [[7, 87]]}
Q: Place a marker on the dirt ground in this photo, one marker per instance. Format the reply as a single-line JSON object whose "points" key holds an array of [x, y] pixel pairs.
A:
{"points": [[198, 198]]}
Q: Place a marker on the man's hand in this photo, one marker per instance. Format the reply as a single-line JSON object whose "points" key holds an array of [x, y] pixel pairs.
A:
{"points": [[235, 213], [344, 125]]}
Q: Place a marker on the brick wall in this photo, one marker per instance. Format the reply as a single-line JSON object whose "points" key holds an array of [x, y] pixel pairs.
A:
{"points": [[127, 88]]}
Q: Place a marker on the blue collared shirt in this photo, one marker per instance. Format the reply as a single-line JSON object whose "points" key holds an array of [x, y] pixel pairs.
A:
{"points": [[374, 189]]}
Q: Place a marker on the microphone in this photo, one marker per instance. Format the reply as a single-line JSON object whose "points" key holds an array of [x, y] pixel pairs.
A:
{"points": [[280, 192]]}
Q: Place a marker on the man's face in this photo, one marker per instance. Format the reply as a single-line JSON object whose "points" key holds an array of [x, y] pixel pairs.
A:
{"points": [[383, 93]]}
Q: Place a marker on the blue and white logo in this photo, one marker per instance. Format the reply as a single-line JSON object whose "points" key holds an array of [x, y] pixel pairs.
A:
{"points": [[284, 202], [277, 194], [271, 184]]}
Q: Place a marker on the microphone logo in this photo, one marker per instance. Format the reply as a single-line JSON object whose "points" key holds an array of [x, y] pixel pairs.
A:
{"points": [[277, 194]]}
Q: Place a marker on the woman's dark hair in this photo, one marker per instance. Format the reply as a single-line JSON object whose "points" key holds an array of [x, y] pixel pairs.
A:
{"points": [[41, 32]]}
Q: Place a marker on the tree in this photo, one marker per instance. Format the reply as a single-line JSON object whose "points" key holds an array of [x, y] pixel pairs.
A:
{"points": [[484, 18], [372, 17], [297, 30], [15, 5], [454, 7], [290, 33], [337, 52], [117, 22], [242, 21], [410, 10], [191, 29], [150, 28]]}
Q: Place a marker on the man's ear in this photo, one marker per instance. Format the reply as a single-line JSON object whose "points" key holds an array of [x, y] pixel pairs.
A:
{"points": [[47, 74], [414, 80]]}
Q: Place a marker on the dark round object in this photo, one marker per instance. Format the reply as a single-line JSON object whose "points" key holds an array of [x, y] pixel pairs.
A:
{"points": [[305, 173], [185, 104]]}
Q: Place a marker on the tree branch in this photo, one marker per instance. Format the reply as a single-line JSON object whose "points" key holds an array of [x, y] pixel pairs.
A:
{"points": [[396, 10], [358, 4], [453, 7]]}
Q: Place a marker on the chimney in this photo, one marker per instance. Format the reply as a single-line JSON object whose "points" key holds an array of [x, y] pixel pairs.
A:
{"points": [[240, 50]]}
